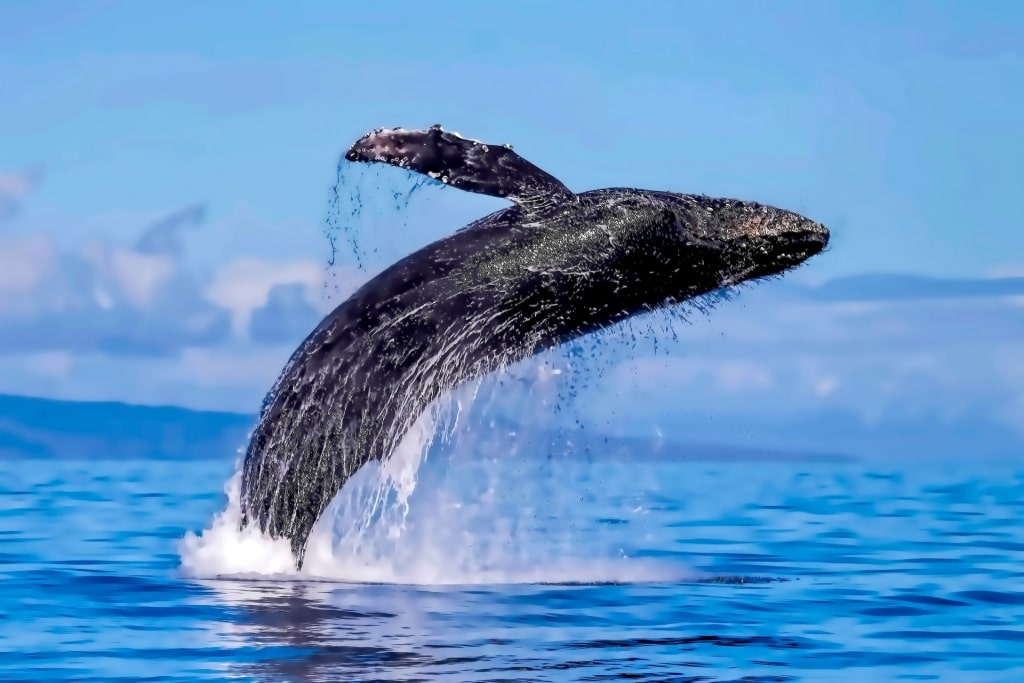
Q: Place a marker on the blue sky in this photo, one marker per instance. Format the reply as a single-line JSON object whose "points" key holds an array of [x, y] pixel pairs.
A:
{"points": [[165, 171]]}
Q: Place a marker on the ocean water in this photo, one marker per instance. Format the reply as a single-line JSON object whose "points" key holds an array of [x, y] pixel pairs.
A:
{"points": [[537, 569]]}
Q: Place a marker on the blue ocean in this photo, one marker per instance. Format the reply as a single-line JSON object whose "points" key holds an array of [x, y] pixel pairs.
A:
{"points": [[538, 568]]}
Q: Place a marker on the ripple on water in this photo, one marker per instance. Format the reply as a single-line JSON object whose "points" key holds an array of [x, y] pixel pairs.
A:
{"points": [[797, 573]]}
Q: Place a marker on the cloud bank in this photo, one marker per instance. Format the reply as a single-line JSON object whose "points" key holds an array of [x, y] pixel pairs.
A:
{"points": [[897, 287], [142, 299], [15, 187], [135, 322]]}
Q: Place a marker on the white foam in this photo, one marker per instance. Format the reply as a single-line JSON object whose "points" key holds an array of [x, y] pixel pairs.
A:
{"points": [[225, 550], [476, 516]]}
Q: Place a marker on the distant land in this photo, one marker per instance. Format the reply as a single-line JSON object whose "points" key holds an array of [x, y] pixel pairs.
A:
{"points": [[47, 428]]}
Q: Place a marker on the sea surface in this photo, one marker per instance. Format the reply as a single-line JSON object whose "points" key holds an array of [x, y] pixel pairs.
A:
{"points": [[542, 570]]}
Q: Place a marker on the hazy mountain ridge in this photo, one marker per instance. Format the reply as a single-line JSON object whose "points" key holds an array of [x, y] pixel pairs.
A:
{"points": [[39, 427], [49, 428]]}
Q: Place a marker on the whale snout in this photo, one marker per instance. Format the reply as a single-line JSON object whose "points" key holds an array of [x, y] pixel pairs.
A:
{"points": [[807, 236], [759, 241], [817, 233], [787, 241]]}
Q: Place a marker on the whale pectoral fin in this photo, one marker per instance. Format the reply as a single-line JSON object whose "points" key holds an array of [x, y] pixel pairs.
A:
{"points": [[469, 165]]}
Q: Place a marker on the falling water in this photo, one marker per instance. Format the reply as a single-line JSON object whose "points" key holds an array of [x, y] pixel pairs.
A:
{"points": [[491, 512]]}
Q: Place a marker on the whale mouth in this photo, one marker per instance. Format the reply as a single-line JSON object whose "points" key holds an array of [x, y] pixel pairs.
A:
{"points": [[795, 247], [754, 258]]}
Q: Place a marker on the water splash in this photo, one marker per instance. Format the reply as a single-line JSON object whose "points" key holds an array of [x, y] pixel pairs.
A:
{"points": [[483, 516], [368, 205], [225, 550], [460, 501]]}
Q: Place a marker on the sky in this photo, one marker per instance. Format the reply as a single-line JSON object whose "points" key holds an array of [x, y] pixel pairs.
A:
{"points": [[166, 168]]}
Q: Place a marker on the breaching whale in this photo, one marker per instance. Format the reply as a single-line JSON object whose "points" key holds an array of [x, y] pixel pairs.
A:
{"points": [[551, 267]]}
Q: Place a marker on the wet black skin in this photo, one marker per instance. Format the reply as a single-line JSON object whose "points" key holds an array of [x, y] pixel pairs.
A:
{"points": [[549, 269]]}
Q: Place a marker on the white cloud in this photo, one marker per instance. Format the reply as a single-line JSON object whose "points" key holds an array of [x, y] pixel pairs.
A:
{"points": [[56, 364], [726, 375], [25, 263], [240, 367], [775, 360], [139, 278], [826, 385], [233, 376], [1007, 270], [15, 187], [243, 286], [87, 321], [142, 297], [742, 375], [782, 356], [92, 319]]}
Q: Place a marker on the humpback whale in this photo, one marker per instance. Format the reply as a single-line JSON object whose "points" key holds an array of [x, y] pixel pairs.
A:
{"points": [[552, 266]]}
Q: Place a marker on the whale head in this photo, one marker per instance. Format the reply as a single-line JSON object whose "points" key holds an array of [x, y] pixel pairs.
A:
{"points": [[658, 249], [672, 247], [742, 241]]}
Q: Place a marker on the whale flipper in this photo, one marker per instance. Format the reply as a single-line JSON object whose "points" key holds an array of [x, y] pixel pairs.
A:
{"points": [[469, 165]]}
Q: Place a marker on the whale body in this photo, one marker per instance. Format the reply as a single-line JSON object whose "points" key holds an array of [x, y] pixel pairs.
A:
{"points": [[551, 267]]}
